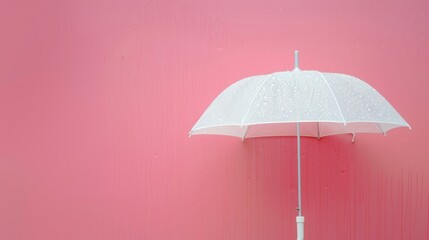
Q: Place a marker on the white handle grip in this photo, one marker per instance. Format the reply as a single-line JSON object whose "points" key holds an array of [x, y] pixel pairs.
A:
{"points": [[300, 228]]}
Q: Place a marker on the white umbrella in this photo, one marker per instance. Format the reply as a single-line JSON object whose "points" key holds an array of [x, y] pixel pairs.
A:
{"points": [[298, 103]]}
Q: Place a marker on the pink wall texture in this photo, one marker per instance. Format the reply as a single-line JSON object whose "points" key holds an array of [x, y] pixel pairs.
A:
{"points": [[97, 98]]}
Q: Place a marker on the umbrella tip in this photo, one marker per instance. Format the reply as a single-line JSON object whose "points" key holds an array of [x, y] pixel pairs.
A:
{"points": [[296, 60]]}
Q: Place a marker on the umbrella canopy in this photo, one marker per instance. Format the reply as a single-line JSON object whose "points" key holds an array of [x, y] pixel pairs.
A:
{"points": [[298, 103], [324, 103]]}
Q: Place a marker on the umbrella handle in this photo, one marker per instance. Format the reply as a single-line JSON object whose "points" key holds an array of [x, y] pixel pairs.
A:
{"points": [[300, 227]]}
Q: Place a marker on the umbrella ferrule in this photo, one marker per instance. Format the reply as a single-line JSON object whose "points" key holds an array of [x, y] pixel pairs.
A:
{"points": [[296, 60]]}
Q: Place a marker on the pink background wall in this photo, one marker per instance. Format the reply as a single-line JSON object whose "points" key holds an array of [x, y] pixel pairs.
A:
{"points": [[97, 98]]}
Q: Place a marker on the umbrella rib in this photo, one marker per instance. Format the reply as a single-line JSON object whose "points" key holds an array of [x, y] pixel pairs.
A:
{"points": [[318, 131], [245, 132], [254, 97], [333, 95], [379, 126]]}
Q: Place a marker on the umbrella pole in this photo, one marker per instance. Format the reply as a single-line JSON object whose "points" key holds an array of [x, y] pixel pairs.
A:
{"points": [[299, 218], [299, 168]]}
